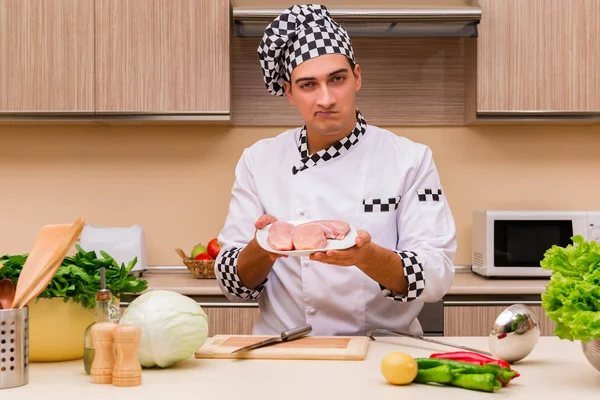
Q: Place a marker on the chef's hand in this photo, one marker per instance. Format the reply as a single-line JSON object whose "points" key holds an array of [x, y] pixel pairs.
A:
{"points": [[261, 223], [348, 257]]}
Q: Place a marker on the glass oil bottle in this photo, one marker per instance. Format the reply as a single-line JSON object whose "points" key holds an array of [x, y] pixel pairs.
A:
{"points": [[105, 311]]}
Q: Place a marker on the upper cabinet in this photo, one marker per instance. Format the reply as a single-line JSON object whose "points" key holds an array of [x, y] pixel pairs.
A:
{"points": [[181, 60], [163, 56], [539, 56], [46, 56]]}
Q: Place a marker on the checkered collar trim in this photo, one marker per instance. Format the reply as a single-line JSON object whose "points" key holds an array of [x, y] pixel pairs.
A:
{"points": [[335, 150]]}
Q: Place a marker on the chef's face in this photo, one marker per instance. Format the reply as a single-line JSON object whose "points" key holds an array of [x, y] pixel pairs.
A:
{"points": [[324, 91]]}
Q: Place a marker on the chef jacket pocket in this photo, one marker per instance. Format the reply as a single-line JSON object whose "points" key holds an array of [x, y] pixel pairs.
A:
{"points": [[379, 216]]}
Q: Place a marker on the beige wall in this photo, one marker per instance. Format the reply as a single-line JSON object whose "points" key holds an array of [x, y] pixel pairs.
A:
{"points": [[175, 180]]}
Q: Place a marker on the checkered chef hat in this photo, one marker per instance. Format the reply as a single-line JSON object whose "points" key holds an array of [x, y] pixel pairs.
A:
{"points": [[300, 33]]}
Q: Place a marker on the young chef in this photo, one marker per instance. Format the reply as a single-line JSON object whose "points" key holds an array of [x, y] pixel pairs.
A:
{"points": [[336, 167]]}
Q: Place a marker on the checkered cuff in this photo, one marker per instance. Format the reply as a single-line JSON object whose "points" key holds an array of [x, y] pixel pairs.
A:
{"points": [[413, 271], [227, 273]]}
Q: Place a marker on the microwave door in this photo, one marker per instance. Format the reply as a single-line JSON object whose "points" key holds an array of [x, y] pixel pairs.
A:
{"points": [[522, 243]]}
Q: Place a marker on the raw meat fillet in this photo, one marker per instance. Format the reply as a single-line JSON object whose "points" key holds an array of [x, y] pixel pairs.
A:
{"points": [[333, 229], [280, 236], [309, 236]]}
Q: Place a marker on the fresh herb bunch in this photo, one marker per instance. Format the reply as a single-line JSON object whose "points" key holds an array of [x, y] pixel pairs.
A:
{"points": [[78, 277], [572, 297]]}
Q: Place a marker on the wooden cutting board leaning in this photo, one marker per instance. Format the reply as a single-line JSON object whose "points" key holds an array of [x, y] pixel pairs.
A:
{"points": [[306, 348]]}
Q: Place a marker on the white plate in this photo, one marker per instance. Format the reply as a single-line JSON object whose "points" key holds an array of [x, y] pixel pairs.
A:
{"points": [[332, 244]]}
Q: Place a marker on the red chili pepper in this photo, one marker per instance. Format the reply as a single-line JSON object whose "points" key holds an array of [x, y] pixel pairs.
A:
{"points": [[468, 356]]}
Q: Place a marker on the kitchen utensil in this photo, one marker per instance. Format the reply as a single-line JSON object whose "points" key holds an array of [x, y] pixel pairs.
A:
{"points": [[348, 241], [341, 348], [515, 333], [48, 252], [104, 357], [14, 353], [591, 351], [7, 293], [286, 336], [127, 370], [458, 346]]}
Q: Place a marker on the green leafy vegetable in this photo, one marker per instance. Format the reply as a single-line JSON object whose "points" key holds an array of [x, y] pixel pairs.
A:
{"points": [[173, 327], [572, 297], [78, 277]]}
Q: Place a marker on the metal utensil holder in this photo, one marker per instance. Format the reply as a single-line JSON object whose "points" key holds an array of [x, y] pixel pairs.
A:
{"points": [[14, 347]]}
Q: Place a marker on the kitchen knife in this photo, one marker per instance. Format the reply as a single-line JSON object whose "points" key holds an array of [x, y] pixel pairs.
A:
{"points": [[457, 346], [286, 336]]}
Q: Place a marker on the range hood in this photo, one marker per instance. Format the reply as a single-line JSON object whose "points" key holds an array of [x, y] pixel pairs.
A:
{"points": [[404, 18]]}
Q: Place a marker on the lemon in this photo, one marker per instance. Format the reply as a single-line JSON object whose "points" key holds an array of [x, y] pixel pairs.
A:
{"points": [[399, 368]]}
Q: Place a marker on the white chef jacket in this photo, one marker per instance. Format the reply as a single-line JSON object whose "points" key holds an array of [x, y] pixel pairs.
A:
{"points": [[373, 179]]}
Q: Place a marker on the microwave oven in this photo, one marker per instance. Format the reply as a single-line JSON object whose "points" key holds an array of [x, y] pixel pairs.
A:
{"points": [[513, 243]]}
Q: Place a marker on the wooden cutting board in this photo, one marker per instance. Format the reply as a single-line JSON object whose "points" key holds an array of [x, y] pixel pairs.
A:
{"points": [[306, 348]]}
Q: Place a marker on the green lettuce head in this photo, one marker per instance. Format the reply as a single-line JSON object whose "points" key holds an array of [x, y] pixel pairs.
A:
{"points": [[572, 297], [173, 327]]}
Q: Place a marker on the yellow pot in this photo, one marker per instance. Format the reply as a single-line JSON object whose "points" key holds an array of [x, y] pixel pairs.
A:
{"points": [[56, 329]]}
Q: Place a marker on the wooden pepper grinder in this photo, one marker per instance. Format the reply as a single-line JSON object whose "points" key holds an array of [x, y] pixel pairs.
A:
{"points": [[104, 358], [127, 370]]}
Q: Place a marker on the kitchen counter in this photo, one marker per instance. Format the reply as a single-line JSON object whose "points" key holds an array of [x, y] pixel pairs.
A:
{"points": [[469, 283], [556, 369], [182, 282], [465, 283]]}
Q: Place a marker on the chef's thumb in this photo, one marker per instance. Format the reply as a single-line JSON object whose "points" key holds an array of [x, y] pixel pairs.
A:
{"points": [[362, 238], [264, 221]]}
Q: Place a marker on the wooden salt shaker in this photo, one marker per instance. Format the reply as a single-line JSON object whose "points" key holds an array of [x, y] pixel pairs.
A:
{"points": [[104, 356], [127, 370]]}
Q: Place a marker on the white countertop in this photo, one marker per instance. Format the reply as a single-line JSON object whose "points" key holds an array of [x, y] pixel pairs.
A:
{"points": [[556, 369]]}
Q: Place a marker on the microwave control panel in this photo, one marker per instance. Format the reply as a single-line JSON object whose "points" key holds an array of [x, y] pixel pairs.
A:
{"points": [[594, 226]]}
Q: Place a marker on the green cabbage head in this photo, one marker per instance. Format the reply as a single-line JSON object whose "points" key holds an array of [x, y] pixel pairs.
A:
{"points": [[173, 327]]}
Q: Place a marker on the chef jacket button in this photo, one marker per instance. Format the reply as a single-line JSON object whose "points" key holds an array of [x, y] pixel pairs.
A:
{"points": [[305, 263], [312, 311], [301, 212]]}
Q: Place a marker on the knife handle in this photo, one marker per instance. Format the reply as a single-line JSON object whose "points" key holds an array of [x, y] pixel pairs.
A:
{"points": [[296, 332]]}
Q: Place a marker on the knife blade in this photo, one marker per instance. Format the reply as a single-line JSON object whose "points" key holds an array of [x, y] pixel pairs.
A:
{"points": [[287, 336], [425, 339]]}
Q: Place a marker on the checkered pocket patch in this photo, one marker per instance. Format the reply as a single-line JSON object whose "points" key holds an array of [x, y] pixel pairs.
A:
{"points": [[381, 205], [429, 194]]}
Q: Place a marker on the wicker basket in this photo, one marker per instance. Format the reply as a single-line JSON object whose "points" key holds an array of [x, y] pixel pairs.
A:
{"points": [[200, 269]]}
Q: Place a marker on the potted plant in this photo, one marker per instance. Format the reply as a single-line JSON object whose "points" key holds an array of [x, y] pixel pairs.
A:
{"points": [[59, 315], [572, 297]]}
